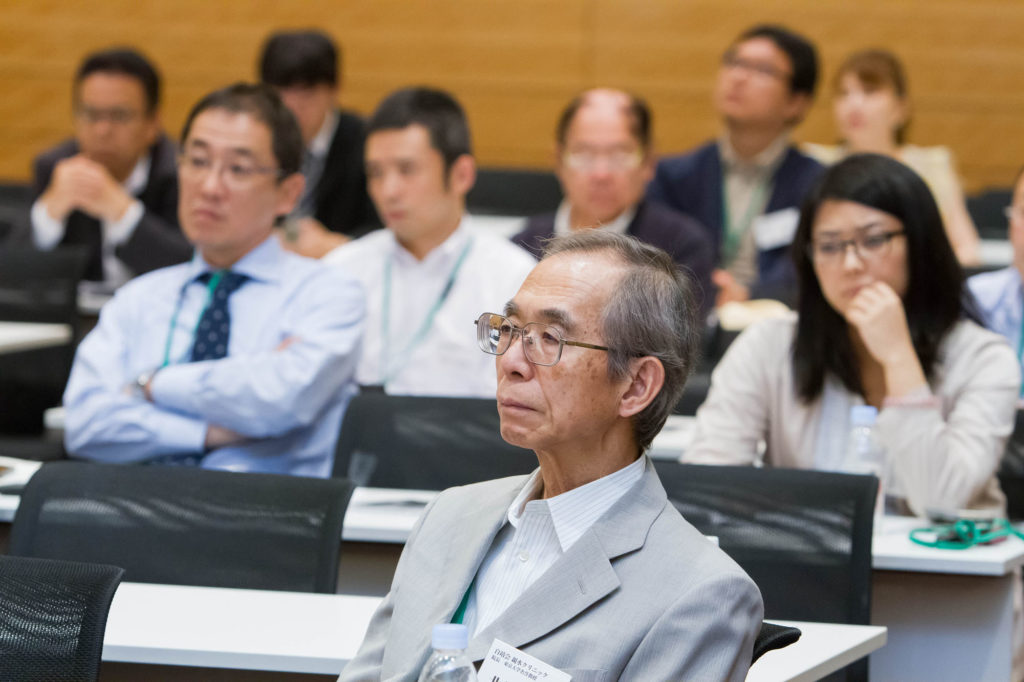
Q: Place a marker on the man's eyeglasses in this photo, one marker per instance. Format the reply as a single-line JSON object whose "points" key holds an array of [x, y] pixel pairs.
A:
{"points": [[237, 174], [868, 247], [731, 60], [616, 159], [542, 343], [116, 116]]}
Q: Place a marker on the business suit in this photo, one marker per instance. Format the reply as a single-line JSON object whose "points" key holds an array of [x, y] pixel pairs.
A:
{"points": [[692, 184], [341, 203], [642, 595], [682, 237], [156, 241]]}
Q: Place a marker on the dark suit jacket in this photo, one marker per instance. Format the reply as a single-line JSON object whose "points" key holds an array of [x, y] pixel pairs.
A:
{"points": [[682, 237], [157, 240], [342, 204], [692, 184]]}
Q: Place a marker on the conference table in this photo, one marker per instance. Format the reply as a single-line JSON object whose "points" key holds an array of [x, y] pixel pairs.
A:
{"points": [[318, 633], [21, 336]]}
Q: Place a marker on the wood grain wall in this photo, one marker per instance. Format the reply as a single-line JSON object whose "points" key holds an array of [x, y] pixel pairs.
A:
{"points": [[514, 63]]}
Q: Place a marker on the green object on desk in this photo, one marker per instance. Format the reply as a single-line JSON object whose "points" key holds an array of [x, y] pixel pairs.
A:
{"points": [[964, 534]]}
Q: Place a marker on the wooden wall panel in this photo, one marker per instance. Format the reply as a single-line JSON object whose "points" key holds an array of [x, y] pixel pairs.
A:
{"points": [[514, 63]]}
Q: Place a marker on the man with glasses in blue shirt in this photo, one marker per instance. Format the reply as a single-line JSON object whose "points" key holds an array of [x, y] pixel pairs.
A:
{"points": [[112, 189], [243, 358]]}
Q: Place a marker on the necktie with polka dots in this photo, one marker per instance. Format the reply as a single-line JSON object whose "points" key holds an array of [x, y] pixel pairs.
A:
{"points": [[211, 340]]}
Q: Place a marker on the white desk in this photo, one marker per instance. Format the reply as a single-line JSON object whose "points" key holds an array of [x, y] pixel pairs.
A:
{"points": [[20, 336], [319, 633]]}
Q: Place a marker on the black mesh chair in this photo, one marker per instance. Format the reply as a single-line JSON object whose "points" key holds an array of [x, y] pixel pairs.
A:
{"points": [[52, 618], [773, 636], [514, 192], [986, 210], [425, 443], [186, 526], [1011, 470], [36, 286], [803, 536]]}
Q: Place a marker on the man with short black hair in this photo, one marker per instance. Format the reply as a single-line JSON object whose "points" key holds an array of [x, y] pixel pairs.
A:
{"points": [[604, 160], [243, 358], [584, 564], [113, 188], [747, 186], [304, 67], [431, 271]]}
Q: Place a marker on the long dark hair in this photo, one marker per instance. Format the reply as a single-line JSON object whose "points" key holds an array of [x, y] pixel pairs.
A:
{"points": [[935, 281]]}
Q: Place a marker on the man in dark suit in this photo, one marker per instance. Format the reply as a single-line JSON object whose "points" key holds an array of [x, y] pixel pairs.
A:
{"points": [[303, 66], [604, 160], [113, 188], [747, 186]]}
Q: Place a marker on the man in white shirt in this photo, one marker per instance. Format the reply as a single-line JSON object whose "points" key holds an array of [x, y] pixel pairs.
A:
{"points": [[431, 272], [112, 189], [585, 564]]}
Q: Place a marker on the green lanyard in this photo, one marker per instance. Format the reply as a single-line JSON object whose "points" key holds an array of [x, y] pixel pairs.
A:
{"points": [[210, 287], [459, 616], [388, 369], [734, 232]]}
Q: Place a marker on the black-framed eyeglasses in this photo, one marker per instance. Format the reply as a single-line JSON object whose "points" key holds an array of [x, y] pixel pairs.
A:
{"points": [[542, 343], [731, 60], [868, 247], [236, 174]]}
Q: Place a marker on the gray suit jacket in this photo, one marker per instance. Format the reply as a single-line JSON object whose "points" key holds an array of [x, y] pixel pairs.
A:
{"points": [[642, 595]]}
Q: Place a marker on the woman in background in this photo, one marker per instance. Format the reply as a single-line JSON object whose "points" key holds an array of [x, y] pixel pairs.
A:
{"points": [[872, 112], [878, 322]]}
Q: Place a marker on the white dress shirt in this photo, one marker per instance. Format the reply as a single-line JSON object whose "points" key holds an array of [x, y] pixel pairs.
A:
{"points": [[48, 231], [445, 360], [618, 225], [537, 533]]}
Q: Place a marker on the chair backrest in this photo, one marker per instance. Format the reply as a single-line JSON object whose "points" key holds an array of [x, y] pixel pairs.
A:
{"points": [[40, 286], [986, 210], [803, 536], [516, 192], [52, 618], [186, 526], [425, 443], [773, 636], [1011, 470]]}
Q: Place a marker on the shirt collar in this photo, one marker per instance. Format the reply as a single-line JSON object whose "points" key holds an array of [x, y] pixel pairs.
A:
{"points": [[575, 511], [137, 179], [767, 160], [618, 225], [264, 262], [447, 250], [319, 145]]}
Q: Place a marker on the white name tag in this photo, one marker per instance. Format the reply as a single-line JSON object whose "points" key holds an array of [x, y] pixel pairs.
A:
{"points": [[505, 663], [775, 229]]}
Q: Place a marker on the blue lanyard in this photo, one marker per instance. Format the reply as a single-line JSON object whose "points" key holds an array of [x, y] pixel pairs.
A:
{"points": [[387, 368], [210, 287]]}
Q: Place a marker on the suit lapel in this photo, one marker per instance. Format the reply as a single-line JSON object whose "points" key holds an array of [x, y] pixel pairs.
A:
{"points": [[583, 575]]}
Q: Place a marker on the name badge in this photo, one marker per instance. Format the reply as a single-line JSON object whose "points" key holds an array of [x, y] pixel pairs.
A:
{"points": [[775, 229], [505, 663]]}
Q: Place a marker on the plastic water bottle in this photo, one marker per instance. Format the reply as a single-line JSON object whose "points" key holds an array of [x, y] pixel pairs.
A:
{"points": [[864, 453], [448, 663]]}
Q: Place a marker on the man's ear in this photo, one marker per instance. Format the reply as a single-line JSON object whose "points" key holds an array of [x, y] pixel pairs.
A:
{"points": [[462, 175], [647, 377], [797, 107], [289, 191]]}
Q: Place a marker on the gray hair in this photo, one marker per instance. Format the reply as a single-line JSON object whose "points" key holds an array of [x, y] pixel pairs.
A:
{"points": [[652, 311]]}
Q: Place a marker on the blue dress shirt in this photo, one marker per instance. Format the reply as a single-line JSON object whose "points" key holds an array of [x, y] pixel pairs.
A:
{"points": [[1001, 303], [296, 331]]}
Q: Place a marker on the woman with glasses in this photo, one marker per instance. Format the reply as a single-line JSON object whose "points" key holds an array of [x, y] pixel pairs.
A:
{"points": [[872, 113], [878, 322]]}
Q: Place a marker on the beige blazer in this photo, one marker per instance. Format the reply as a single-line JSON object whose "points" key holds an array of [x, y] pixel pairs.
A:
{"points": [[641, 596]]}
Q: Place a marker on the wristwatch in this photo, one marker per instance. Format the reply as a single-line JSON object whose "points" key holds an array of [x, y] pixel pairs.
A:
{"points": [[141, 381]]}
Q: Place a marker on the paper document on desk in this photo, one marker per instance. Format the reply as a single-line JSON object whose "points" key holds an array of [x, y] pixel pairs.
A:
{"points": [[14, 473]]}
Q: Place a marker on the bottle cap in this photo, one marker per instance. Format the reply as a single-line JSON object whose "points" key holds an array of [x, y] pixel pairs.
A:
{"points": [[863, 415], [450, 636]]}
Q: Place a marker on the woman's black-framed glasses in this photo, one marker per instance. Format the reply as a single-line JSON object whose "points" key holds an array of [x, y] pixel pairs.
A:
{"points": [[542, 343]]}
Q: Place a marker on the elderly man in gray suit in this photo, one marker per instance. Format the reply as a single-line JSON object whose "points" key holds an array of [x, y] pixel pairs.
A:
{"points": [[584, 564]]}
